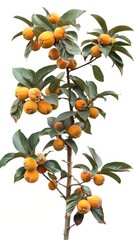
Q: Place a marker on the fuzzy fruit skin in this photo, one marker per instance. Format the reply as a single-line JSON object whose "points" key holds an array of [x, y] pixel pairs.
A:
{"points": [[95, 52], [44, 107], [52, 185], [53, 18], [58, 126], [41, 158], [72, 64], [35, 46], [86, 176], [30, 107], [34, 94], [74, 131], [78, 190], [47, 91], [99, 179], [31, 176], [60, 33], [58, 144], [21, 92], [41, 169], [104, 39], [93, 112], [83, 206], [62, 63], [53, 54], [95, 201], [28, 33], [30, 164], [80, 104], [46, 39]]}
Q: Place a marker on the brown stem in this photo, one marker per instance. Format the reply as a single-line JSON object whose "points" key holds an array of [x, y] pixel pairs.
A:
{"points": [[68, 191], [91, 60]]}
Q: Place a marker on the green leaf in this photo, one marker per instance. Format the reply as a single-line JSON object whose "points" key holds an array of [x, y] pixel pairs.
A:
{"points": [[72, 144], [9, 156], [124, 38], [95, 157], [97, 73], [21, 143], [17, 35], [72, 14], [86, 50], [116, 166], [63, 174], [92, 89], [111, 174], [101, 22], [24, 76], [117, 60], [64, 116], [107, 93], [52, 98], [33, 140], [101, 112], [94, 33], [51, 121], [83, 115], [78, 218], [71, 47], [49, 144], [98, 214], [92, 162], [19, 174], [16, 110], [28, 50], [52, 166], [80, 83], [24, 20], [87, 127], [44, 83], [86, 190], [72, 201], [81, 166], [122, 50], [105, 50], [41, 73], [119, 28], [72, 34], [41, 21]]}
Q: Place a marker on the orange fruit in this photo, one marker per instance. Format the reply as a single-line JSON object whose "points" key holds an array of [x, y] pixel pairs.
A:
{"points": [[60, 33], [47, 91], [95, 52], [95, 201], [41, 169], [53, 18], [58, 126], [53, 54], [46, 39], [78, 190], [83, 206], [35, 46], [98, 179], [113, 40], [58, 144], [34, 94], [93, 112], [86, 176], [21, 92], [72, 64], [30, 164], [52, 185], [28, 33], [30, 107], [31, 176], [80, 104], [104, 39], [62, 63], [74, 131], [44, 107]]}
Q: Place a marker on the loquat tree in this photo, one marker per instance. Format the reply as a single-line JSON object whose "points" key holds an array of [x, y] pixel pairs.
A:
{"points": [[42, 92]]}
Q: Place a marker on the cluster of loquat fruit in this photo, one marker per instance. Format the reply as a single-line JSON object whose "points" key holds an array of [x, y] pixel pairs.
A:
{"points": [[49, 39], [103, 40], [33, 100], [93, 201]]}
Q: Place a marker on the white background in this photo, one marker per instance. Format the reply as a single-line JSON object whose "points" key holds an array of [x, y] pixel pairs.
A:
{"points": [[31, 211]]}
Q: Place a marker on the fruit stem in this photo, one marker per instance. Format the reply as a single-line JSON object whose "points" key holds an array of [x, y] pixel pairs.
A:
{"points": [[91, 60]]}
